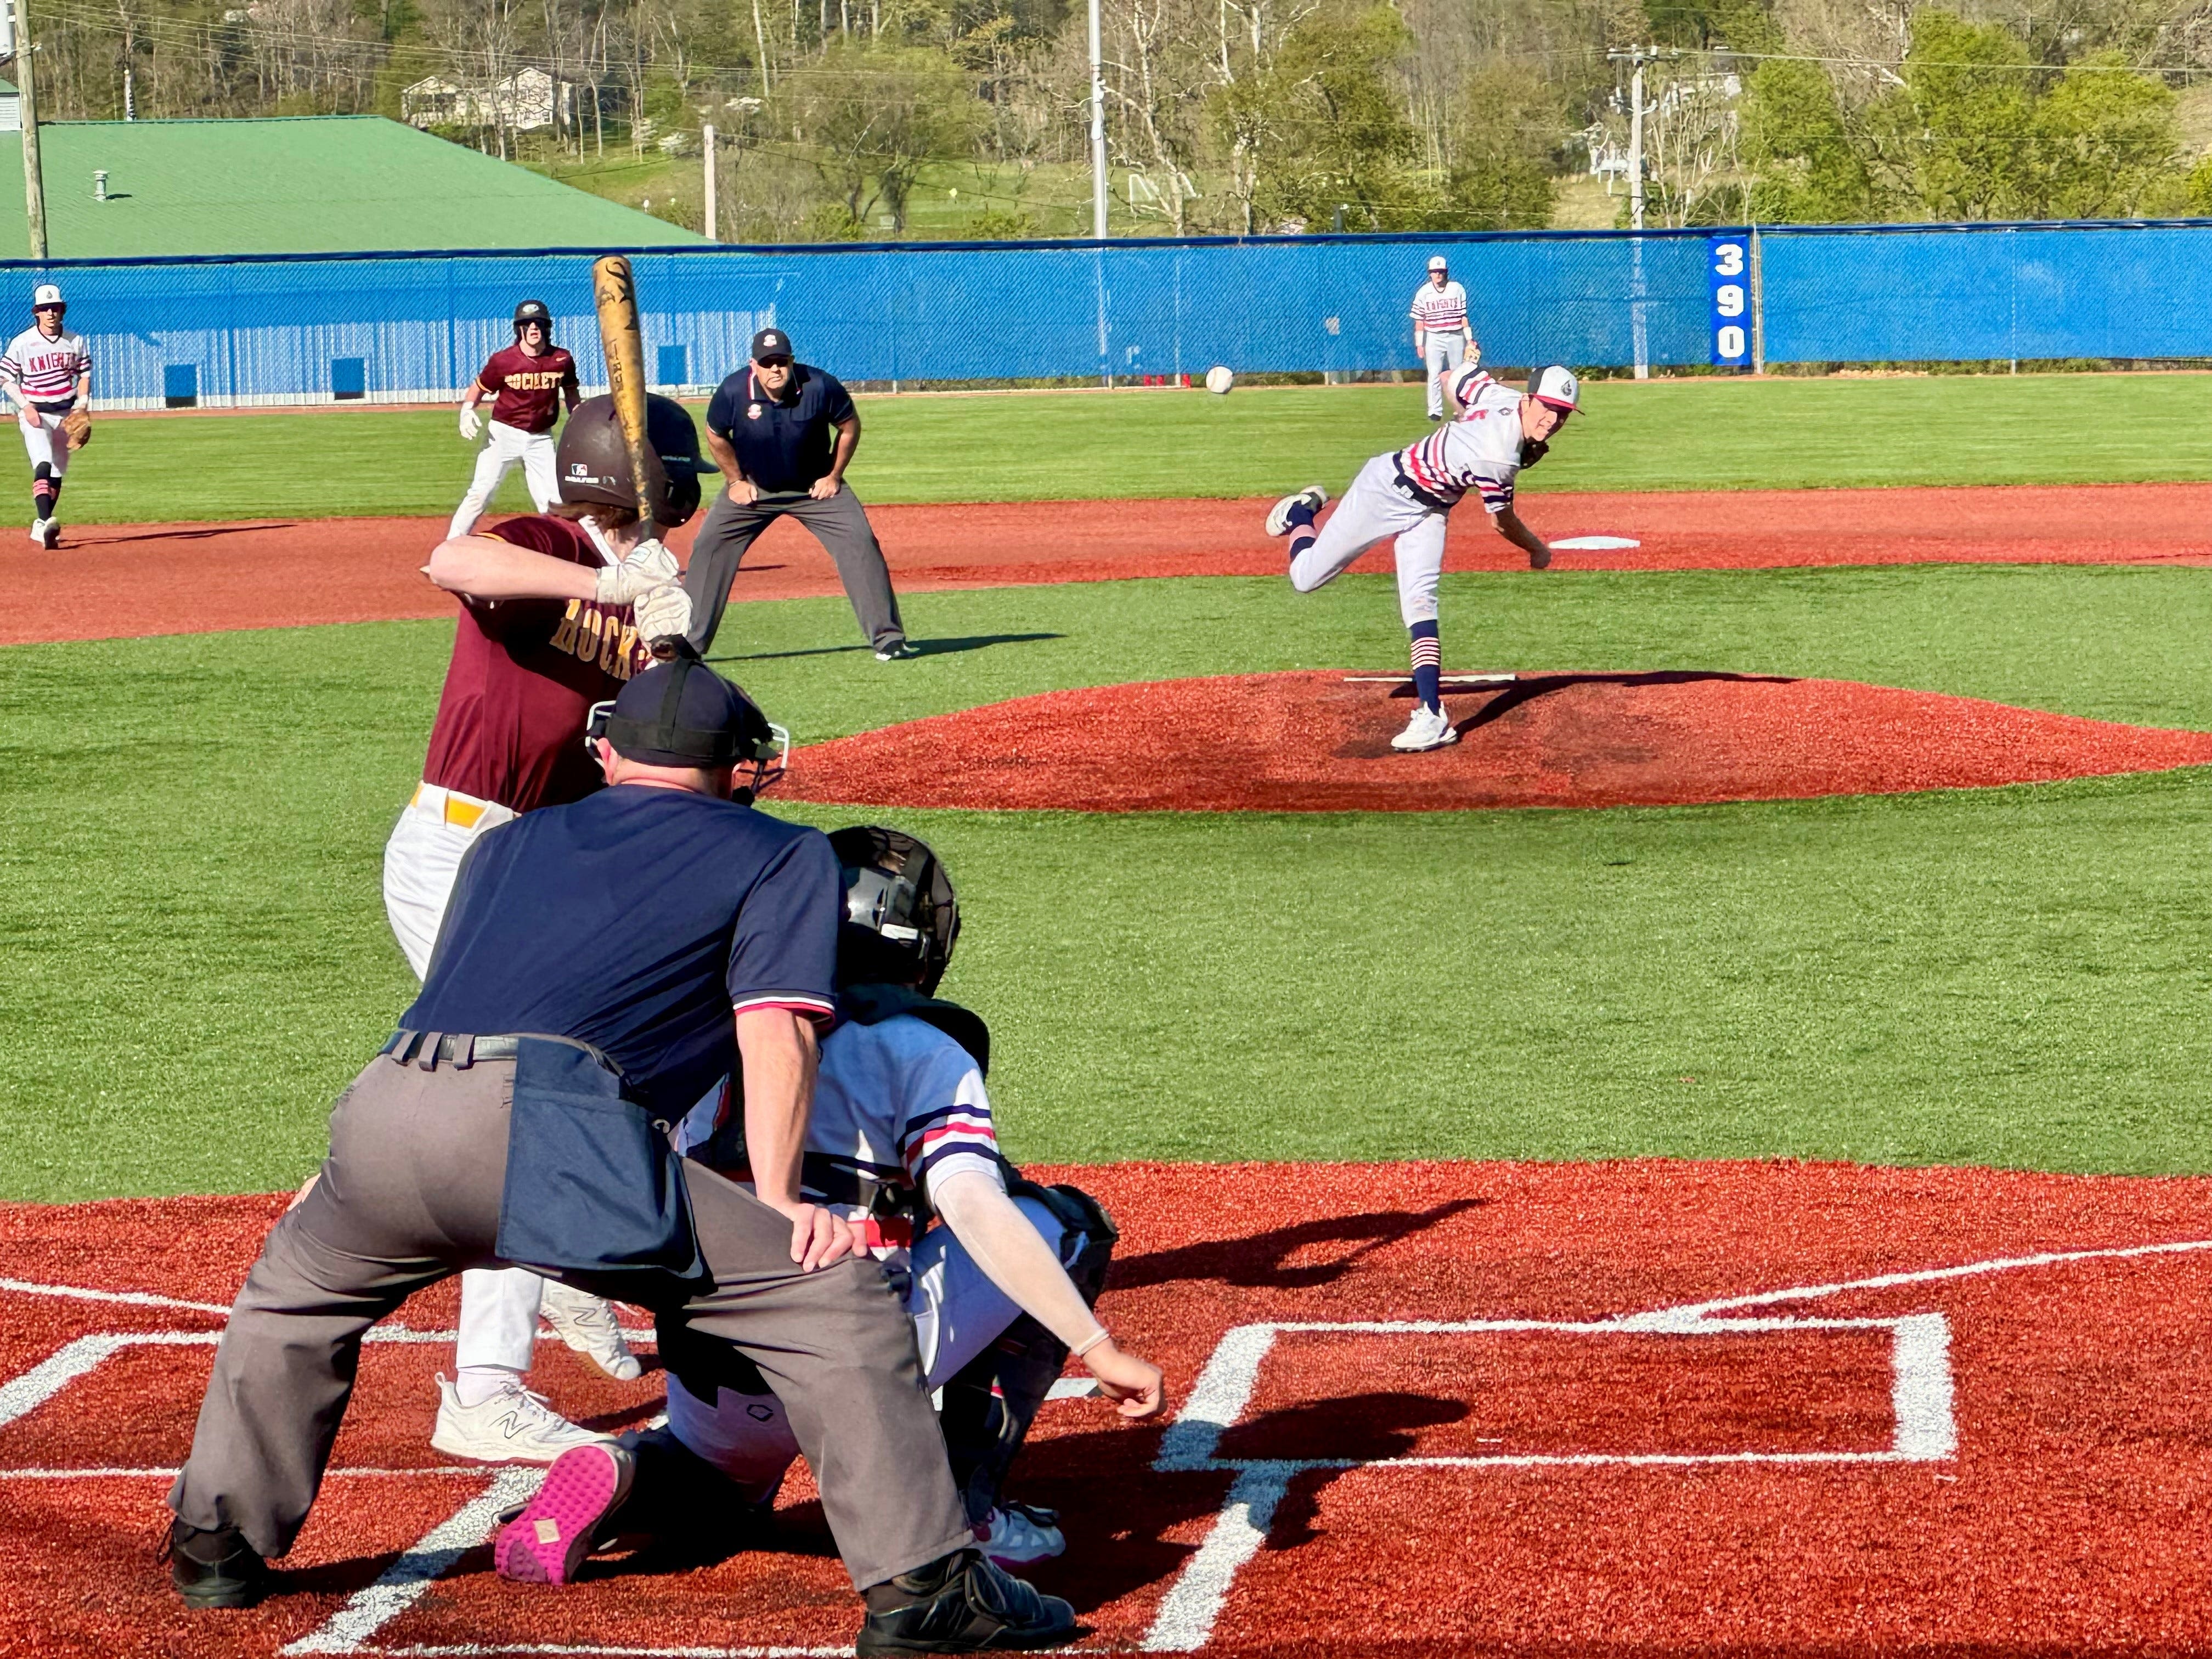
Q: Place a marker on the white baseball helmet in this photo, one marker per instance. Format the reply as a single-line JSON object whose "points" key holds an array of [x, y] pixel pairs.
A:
{"points": [[47, 294], [1556, 384]]}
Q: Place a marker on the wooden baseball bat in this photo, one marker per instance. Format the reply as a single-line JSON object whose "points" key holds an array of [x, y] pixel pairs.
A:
{"points": [[614, 294]]}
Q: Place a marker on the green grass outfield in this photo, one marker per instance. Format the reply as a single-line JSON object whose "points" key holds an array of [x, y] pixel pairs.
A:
{"points": [[196, 957], [1683, 435]]}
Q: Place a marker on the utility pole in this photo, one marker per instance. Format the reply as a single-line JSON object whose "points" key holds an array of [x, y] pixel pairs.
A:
{"points": [[1635, 57], [34, 190], [1635, 142], [1098, 130], [706, 150]]}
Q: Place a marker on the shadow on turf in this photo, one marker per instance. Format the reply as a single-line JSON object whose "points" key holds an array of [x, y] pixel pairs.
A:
{"points": [[1266, 1261], [1120, 1516], [921, 647], [1528, 690], [90, 536]]}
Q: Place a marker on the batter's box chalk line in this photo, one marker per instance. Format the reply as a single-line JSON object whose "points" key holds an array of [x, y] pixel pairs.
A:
{"points": [[1924, 1430]]}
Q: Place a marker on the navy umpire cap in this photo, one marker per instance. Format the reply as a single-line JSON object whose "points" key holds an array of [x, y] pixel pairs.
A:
{"points": [[682, 713], [770, 343]]}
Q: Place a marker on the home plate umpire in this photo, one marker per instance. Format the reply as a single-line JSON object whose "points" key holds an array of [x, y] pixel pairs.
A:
{"points": [[602, 965]]}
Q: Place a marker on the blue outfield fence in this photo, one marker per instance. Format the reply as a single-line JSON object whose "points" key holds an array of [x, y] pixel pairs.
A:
{"points": [[403, 327]]}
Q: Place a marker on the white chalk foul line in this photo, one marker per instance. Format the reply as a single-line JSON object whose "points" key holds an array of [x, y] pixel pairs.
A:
{"points": [[86, 1293], [433, 1555], [1922, 1403]]}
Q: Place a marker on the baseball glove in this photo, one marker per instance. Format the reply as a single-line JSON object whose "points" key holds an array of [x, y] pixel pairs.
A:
{"points": [[1533, 450], [78, 425]]}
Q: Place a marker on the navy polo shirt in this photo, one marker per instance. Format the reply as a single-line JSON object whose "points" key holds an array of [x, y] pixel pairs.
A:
{"points": [[783, 444], [637, 920]]}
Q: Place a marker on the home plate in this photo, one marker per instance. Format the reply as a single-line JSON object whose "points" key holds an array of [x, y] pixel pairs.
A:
{"points": [[1595, 544]]}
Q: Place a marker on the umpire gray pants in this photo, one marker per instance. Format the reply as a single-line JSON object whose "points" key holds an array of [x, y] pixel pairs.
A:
{"points": [[410, 1194], [840, 524]]}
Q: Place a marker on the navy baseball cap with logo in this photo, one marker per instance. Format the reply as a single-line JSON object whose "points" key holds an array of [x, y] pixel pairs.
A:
{"points": [[770, 343], [682, 713]]}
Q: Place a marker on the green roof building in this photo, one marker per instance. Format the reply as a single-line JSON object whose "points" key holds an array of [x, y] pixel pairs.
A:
{"points": [[339, 183]]}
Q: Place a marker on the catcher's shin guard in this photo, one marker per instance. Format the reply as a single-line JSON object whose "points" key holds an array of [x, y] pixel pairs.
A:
{"points": [[682, 1507], [989, 1404]]}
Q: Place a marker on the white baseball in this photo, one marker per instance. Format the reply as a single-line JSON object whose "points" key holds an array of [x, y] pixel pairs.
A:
{"points": [[1218, 379]]}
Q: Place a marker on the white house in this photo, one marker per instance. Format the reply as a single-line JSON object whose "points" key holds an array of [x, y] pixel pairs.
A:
{"points": [[525, 101]]}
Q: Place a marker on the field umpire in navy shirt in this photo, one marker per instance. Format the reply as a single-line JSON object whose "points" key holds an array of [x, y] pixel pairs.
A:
{"points": [[783, 434], [580, 999]]}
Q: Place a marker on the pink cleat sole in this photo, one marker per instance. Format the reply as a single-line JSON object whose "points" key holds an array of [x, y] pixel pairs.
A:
{"points": [[548, 1541]]}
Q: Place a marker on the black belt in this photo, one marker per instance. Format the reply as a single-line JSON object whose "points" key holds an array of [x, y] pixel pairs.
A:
{"points": [[1434, 503], [461, 1050]]}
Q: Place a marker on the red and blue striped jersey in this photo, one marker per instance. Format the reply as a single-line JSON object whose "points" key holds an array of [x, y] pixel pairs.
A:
{"points": [[1480, 451]]}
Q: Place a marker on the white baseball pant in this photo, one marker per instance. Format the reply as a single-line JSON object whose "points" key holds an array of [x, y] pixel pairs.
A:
{"points": [[1443, 353], [43, 441], [957, 1310], [1375, 510], [498, 1305], [503, 446]]}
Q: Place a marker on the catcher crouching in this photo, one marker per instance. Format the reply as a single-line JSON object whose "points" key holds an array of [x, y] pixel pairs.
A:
{"points": [[47, 374]]}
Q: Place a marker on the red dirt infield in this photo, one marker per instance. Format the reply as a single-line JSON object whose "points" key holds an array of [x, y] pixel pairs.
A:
{"points": [[1314, 742], [1623, 1409], [127, 580]]}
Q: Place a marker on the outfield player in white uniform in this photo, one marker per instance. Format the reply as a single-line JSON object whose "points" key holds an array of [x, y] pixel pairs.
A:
{"points": [[1000, 1293], [1409, 495], [46, 371], [1442, 338]]}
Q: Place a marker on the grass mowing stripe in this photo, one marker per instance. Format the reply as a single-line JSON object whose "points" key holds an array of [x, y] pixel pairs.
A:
{"points": [[1687, 435], [197, 959]]}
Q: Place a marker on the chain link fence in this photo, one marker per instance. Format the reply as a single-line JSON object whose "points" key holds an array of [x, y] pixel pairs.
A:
{"points": [[400, 327]]}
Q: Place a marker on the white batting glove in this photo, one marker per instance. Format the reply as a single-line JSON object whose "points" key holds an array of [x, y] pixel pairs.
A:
{"points": [[471, 422], [662, 613], [649, 565]]}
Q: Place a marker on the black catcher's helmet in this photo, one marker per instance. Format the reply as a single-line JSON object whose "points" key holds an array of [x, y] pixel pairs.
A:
{"points": [[901, 917], [533, 311], [593, 461]]}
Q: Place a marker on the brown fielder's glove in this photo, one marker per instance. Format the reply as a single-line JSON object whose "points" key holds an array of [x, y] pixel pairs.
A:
{"points": [[78, 425]]}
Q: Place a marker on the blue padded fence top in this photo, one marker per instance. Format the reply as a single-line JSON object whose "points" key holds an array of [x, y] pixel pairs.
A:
{"points": [[304, 329]]}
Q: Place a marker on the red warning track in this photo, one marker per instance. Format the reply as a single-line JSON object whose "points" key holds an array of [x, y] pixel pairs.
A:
{"points": [[1316, 742], [1880, 1410], [123, 581]]}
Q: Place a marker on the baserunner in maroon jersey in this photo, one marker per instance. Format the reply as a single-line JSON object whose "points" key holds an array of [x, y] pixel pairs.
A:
{"points": [[558, 611], [528, 383]]}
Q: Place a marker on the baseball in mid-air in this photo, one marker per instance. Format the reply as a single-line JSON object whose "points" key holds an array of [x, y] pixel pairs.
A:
{"points": [[1218, 379]]}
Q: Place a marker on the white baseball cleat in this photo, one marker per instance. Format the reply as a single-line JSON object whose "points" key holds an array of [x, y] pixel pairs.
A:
{"points": [[588, 1325], [514, 1426], [1278, 515], [1015, 1537], [37, 533], [50, 533], [1429, 728]]}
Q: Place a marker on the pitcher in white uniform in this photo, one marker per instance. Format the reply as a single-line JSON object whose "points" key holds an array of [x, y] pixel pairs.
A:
{"points": [[1409, 493], [1000, 1288]]}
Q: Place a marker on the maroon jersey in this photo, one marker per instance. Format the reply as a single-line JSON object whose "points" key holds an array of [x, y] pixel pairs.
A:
{"points": [[528, 389], [524, 677]]}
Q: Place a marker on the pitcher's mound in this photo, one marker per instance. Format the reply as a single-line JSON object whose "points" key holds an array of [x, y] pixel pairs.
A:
{"points": [[1316, 742]]}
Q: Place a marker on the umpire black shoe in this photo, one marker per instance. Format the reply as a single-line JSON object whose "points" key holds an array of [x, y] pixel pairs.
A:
{"points": [[961, 1603], [217, 1568]]}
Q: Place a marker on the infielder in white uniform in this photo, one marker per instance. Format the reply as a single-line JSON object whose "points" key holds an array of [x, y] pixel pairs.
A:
{"points": [[47, 372], [1442, 338], [1409, 495], [526, 382], [1000, 1293]]}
